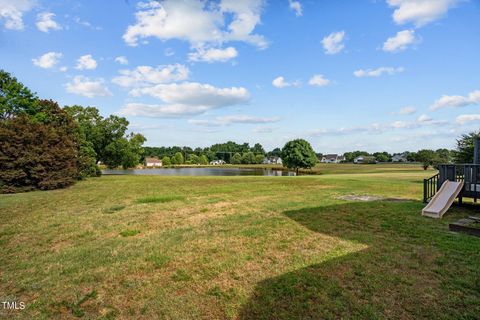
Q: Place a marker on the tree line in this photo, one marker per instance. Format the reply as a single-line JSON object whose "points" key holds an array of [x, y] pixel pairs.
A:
{"points": [[44, 146], [230, 152]]}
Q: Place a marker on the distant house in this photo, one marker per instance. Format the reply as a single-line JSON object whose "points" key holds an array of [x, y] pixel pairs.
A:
{"points": [[401, 157], [152, 162], [359, 159], [272, 160], [364, 159], [332, 158], [217, 162]]}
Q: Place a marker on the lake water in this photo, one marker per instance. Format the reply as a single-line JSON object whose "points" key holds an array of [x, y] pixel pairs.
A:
{"points": [[220, 171]]}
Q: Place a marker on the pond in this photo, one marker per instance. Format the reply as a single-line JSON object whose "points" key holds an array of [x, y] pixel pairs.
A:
{"points": [[210, 171]]}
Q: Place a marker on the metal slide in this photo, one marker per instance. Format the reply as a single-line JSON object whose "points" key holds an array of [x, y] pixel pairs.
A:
{"points": [[443, 199]]}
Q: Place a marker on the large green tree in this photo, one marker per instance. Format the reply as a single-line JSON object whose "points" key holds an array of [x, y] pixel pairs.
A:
{"points": [[178, 158], [125, 152], [298, 154], [427, 158], [107, 137], [463, 152], [15, 98], [236, 158], [248, 158]]}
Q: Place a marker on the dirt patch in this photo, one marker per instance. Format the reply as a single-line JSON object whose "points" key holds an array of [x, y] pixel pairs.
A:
{"points": [[356, 197]]}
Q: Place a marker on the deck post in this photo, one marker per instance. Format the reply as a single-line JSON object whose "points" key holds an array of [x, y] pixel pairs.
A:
{"points": [[425, 186], [476, 152]]}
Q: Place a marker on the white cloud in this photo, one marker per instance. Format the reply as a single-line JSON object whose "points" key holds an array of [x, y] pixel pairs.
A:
{"points": [[400, 41], [379, 128], [193, 93], [89, 88], [465, 118], [186, 98], [45, 22], [400, 124], [11, 12], [121, 60], [407, 110], [279, 82], [146, 75], [457, 101], [420, 12], [377, 72], [169, 52], [86, 24], [48, 60], [296, 6], [160, 111], [233, 119], [86, 62], [263, 129], [319, 80], [333, 43], [213, 55], [197, 22], [424, 118]]}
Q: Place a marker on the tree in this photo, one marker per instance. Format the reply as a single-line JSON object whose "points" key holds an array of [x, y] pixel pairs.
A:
{"points": [[166, 161], [258, 149], [259, 158], [248, 158], [298, 154], [35, 155], [15, 98], [107, 137], [444, 155], [193, 159], [412, 156], [203, 159], [125, 152], [277, 152], [382, 156], [236, 159], [465, 147], [427, 158], [178, 158]]}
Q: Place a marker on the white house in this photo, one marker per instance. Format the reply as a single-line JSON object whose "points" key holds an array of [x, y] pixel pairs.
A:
{"points": [[217, 162], [272, 160], [364, 159], [401, 157], [152, 162], [332, 158]]}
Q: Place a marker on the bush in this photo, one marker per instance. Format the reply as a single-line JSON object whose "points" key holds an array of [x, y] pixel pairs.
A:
{"points": [[35, 155]]}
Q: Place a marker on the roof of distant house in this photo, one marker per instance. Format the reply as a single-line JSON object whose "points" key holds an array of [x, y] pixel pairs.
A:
{"points": [[331, 156], [152, 160]]}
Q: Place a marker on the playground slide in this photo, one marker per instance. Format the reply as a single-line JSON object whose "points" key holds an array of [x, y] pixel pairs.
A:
{"points": [[443, 199]]}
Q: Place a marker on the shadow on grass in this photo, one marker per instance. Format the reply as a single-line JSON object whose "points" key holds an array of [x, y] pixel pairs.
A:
{"points": [[398, 276]]}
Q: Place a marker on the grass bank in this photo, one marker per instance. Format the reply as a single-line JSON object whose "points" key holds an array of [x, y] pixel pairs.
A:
{"points": [[159, 247]]}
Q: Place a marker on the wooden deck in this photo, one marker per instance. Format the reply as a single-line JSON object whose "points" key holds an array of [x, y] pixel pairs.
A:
{"points": [[468, 173]]}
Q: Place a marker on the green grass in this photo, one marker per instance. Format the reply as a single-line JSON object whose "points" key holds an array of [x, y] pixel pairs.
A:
{"points": [[237, 248], [114, 208], [160, 199], [129, 233]]}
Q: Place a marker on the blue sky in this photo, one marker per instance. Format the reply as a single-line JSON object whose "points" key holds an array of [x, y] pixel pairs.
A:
{"points": [[388, 75]]}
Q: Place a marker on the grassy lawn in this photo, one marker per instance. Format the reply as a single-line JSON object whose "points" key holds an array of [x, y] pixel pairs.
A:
{"points": [[153, 247]]}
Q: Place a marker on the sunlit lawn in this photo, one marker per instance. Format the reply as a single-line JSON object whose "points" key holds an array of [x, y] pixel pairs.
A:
{"points": [[152, 247]]}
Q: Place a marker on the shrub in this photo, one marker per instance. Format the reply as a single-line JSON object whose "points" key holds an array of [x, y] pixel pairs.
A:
{"points": [[35, 155]]}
